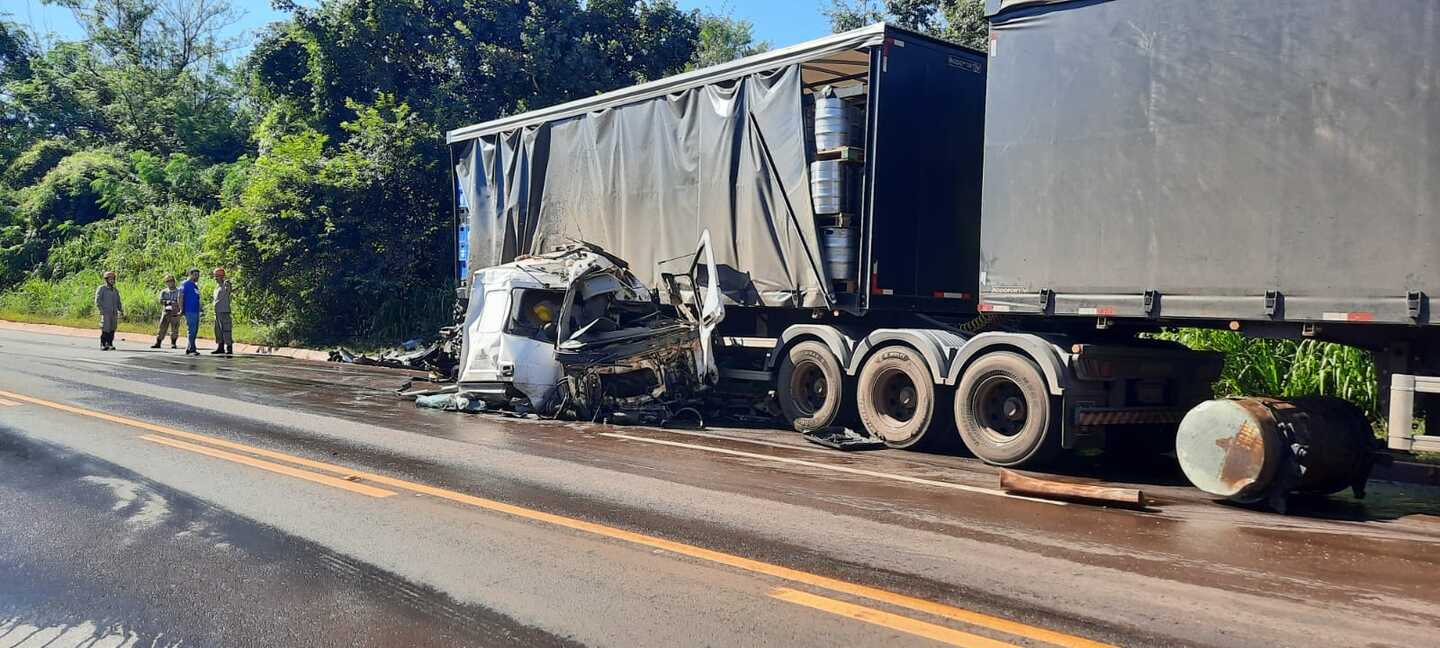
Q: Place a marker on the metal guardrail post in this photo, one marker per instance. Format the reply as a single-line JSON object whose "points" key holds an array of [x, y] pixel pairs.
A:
{"points": [[1402, 411]]}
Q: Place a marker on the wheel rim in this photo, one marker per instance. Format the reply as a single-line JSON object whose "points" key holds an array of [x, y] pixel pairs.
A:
{"points": [[1001, 408], [895, 396], [809, 388]]}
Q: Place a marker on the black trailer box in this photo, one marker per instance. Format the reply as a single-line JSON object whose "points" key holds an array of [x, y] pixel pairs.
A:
{"points": [[1232, 159]]}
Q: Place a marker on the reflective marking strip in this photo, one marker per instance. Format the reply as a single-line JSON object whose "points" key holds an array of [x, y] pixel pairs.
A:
{"points": [[882, 291], [994, 308], [951, 295], [1357, 316], [1128, 418], [884, 619], [844, 469], [1100, 310]]}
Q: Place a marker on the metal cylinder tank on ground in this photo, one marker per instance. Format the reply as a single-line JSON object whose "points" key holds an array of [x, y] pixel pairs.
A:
{"points": [[832, 121], [1260, 449], [839, 248], [830, 186]]}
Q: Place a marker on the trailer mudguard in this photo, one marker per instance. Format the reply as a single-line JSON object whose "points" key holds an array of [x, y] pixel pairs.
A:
{"points": [[841, 343], [1053, 360], [938, 346]]}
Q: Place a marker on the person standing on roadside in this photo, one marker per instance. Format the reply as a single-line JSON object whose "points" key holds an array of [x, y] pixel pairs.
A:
{"points": [[169, 312], [190, 306], [107, 301], [224, 326]]}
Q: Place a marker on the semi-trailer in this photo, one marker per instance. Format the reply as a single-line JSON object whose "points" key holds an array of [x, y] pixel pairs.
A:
{"points": [[944, 243]]}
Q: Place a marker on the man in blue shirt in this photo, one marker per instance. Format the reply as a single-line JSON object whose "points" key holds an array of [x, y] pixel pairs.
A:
{"points": [[190, 305]]}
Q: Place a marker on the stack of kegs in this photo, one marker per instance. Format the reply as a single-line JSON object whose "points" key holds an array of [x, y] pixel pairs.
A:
{"points": [[834, 183]]}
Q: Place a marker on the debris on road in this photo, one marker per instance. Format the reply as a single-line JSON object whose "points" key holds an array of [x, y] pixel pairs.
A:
{"points": [[1014, 482], [409, 391], [844, 438], [451, 402], [438, 358], [1260, 450]]}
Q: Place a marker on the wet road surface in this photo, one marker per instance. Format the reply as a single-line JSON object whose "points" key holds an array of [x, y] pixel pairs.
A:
{"points": [[147, 498]]}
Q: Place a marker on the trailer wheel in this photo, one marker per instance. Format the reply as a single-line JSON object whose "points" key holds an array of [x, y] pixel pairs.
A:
{"points": [[896, 396], [1004, 411], [810, 386]]}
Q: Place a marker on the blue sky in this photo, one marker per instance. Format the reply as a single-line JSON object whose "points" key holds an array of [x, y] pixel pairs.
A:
{"points": [[781, 22]]}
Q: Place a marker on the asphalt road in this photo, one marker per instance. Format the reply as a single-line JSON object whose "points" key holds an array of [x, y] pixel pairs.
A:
{"points": [[150, 499]]}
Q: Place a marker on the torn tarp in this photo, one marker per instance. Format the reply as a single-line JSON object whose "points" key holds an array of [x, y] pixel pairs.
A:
{"points": [[644, 179]]}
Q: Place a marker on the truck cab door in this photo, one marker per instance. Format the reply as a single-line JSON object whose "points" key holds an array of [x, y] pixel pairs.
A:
{"points": [[701, 302]]}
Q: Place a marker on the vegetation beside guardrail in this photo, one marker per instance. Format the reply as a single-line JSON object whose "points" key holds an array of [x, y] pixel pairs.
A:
{"points": [[1288, 367]]}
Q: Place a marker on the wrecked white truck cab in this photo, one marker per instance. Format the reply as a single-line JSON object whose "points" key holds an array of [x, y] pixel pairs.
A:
{"points": [[574, 332]]}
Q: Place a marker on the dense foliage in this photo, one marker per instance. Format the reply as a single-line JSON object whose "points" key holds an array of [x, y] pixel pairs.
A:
{"points": [[959, 21], [312, 167], [1288, 367]]}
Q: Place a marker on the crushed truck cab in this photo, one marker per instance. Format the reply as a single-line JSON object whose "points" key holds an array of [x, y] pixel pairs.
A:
{"points": [[575, 332]]}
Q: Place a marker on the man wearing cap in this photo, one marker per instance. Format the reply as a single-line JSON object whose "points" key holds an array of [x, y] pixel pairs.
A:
{"points": [[107, 301], [169, 312], [190, 306], [224, 337]]}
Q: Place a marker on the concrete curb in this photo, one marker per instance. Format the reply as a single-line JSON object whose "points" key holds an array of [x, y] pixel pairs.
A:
{"points": [[147, 340]]}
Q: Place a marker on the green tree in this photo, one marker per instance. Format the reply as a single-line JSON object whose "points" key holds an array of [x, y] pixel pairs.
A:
{"points": [[349, 244], [959, 21], [723, 39], [16, 50], [150, 74], [456, 62]]}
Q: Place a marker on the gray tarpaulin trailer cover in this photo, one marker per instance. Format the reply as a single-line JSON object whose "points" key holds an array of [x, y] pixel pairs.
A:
{"points": [[1211, 152], [643, 170]]}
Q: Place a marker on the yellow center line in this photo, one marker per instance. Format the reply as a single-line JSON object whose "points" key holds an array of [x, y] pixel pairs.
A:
{"points": [[327, 480], [887, 620], [698, 553]]}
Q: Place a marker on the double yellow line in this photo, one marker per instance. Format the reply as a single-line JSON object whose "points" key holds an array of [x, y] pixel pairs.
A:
{"points": [[355, 481]]}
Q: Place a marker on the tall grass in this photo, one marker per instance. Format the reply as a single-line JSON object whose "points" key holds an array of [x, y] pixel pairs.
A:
{"points": [[1257, 367]]}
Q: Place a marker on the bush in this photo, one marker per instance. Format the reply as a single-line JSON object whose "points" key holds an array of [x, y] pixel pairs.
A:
{"points": [[69, 195], [35, 162]]}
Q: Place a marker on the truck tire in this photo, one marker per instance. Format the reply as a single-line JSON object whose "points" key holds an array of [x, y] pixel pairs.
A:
{"points": [[810, 386], [1004, 411], [896, 396]]}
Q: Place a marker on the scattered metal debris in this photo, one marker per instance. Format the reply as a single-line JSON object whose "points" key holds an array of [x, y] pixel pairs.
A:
{"points": [[844, 438], [1013, 482], [438, 358]]}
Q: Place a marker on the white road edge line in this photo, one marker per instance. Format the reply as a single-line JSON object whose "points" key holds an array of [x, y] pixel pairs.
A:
{"points": [[843, 469], [740, 439]]}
